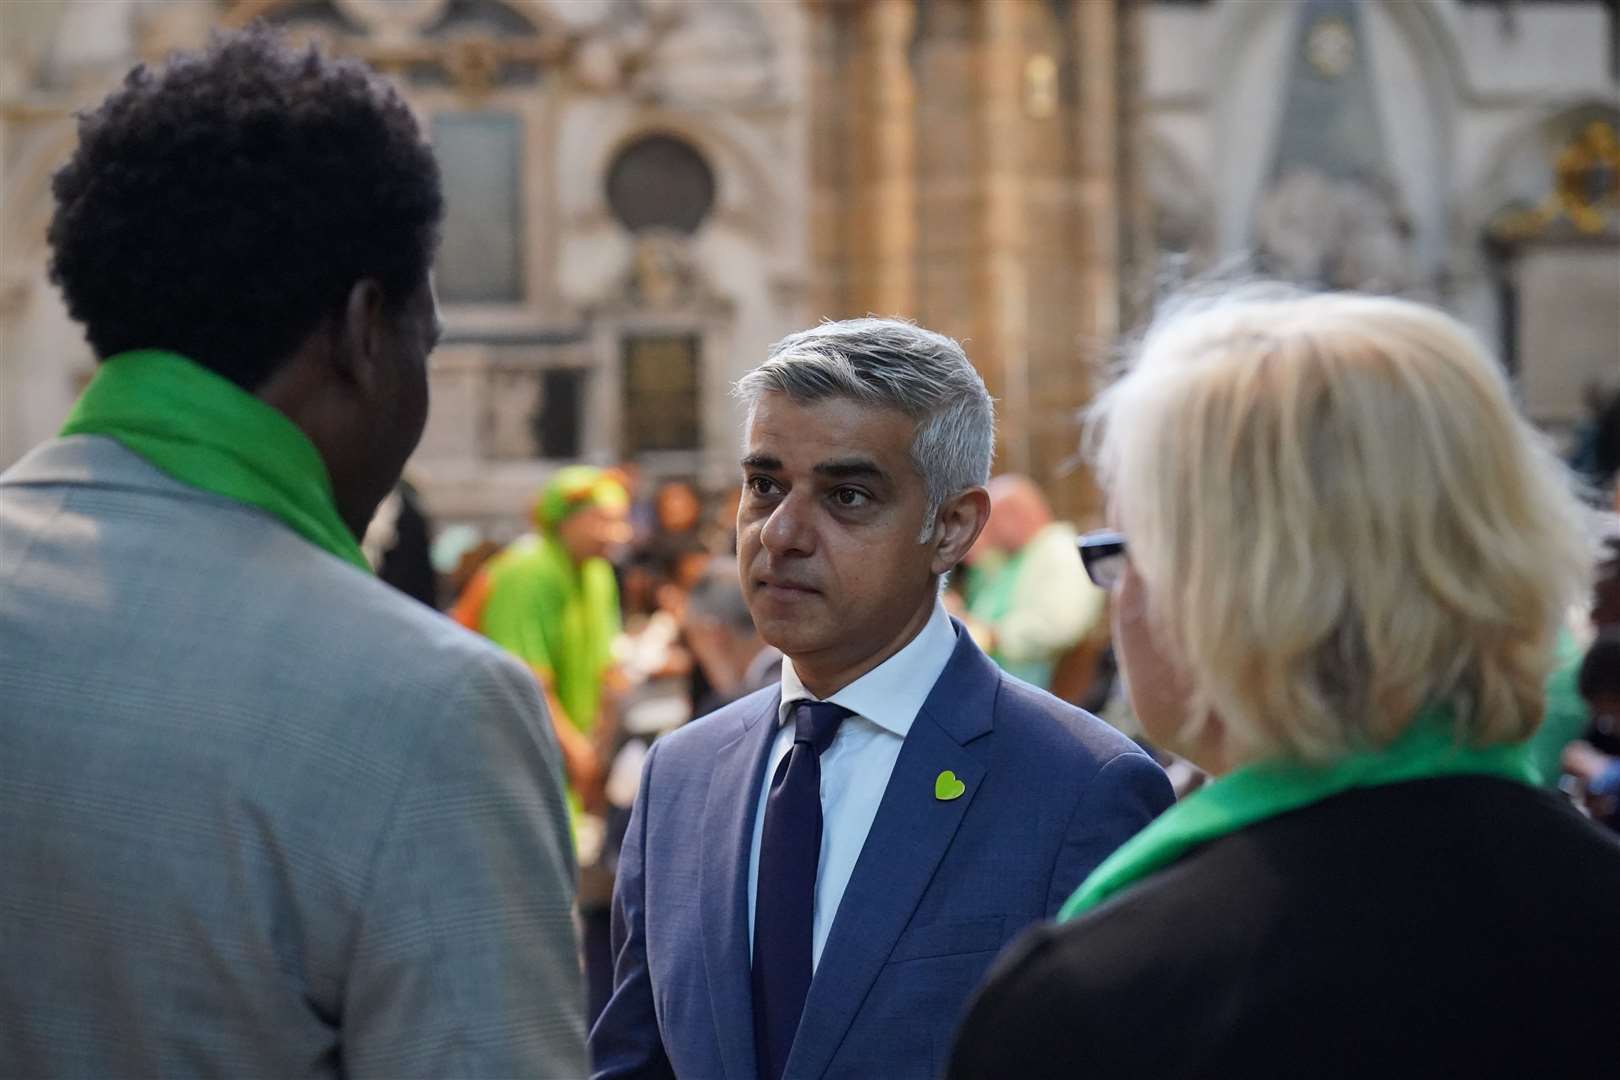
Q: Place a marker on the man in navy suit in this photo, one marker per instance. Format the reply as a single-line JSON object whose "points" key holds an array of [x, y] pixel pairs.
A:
{"points": [[816, 876]]}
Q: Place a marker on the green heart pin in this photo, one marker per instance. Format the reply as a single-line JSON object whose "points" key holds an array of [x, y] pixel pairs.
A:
{"points": [[948, 787]]}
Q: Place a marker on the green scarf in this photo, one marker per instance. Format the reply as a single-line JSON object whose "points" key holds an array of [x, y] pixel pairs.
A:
{"points": [[204, 430], [1252, 793]]}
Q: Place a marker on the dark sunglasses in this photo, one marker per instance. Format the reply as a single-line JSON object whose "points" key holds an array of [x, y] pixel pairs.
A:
{"points": [[1103, 553]]}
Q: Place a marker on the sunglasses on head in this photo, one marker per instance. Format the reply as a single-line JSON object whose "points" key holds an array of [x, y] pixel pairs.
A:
{"points": [[1103, 554]]}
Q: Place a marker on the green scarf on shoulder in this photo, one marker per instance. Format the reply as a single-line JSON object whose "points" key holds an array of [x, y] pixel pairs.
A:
{"points": [[205, 431], [1251, 793]]}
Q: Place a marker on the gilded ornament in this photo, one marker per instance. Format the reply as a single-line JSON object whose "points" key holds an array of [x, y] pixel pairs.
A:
{"points": [[1330, 47]]}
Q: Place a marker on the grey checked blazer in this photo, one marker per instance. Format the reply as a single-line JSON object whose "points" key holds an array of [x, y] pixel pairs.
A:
{"points": [[260, 815]]}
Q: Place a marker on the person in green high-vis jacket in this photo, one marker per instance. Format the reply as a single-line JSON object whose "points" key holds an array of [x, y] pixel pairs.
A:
{"points": [[550, 599]]}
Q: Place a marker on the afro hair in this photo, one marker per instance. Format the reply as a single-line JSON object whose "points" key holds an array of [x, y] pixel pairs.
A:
{"points": [[223, 206]]}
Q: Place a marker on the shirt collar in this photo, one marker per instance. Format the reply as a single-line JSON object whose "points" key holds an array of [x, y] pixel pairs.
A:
{"points": [[891, 694]]}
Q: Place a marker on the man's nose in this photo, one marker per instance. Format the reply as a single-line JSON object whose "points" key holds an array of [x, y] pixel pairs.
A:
{"points": [[790, 528]]}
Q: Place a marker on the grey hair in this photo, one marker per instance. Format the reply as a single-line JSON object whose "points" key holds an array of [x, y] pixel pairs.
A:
{"points": [[718, 595], [893, 364]]}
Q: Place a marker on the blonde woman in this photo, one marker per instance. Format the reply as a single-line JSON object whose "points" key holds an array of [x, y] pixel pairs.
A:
{"points": [[1339, 559]]}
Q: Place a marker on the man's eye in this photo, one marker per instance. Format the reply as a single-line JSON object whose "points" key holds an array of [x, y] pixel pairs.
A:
{"points": [[761, 485], [849, 498]]}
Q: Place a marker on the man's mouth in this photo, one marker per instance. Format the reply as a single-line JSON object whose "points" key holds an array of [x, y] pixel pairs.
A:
{"points": [[783, 586]]}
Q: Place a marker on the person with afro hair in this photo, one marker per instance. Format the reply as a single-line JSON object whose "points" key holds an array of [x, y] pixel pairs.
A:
{"points": [[264, 815]]}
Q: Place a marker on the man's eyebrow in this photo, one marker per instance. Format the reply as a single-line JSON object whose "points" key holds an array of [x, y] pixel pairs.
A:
{"points": [[850, 469], [762, 462]]}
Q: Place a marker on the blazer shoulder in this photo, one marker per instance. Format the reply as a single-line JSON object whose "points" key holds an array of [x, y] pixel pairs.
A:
{"points": [[403, 633], [697, 741], [1043, 727], [330, 624]]}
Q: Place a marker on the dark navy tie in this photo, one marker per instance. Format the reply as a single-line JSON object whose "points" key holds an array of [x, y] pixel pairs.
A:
{"points": [[785, 902]]}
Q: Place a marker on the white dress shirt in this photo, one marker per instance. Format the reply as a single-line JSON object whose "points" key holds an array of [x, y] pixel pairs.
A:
{"points": [[855, 768]]}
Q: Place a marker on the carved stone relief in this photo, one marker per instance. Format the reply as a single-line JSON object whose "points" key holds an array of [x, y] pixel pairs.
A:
{"points": [[1340, 233], [664, 276]]}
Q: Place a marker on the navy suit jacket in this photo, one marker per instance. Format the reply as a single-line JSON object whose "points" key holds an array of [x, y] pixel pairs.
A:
{"points": [[939, 888]]}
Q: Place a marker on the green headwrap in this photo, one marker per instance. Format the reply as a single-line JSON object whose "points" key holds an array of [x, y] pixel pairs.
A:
{"points": [[559, 618], [574, 488]]}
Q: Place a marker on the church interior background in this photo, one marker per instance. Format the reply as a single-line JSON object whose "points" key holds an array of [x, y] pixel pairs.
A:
{"points": [[644, 194]]}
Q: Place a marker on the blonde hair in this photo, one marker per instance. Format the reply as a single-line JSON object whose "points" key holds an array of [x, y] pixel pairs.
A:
{"points": [[1339, 518]]}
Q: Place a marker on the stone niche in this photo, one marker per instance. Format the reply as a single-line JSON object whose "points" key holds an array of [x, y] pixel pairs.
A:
{"points": [[1554, 248], [1568, 328]]}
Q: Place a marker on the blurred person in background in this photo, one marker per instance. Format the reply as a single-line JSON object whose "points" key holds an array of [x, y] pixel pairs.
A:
{"points": [[663, 522], [1606, 590], [665, 557], [1595, 456], [678, 515], [467, 562], [1594, 760], [1028, 600], [262, 814], [876, 825], [397, 544], [721, 634], [720, 529], [551, 599], [1339, 565], [642, 515], [1569, 713], [640, 577], [1606, 451]]}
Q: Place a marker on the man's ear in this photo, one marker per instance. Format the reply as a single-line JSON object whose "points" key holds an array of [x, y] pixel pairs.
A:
{"points": [[961, 518], [363, 340]]}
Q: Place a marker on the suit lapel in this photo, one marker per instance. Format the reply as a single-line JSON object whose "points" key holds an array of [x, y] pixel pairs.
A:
{"points": [[728, 836], [902, 852]]}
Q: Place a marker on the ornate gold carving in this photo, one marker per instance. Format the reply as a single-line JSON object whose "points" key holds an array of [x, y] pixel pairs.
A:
{"points": [[243, 12], [1330, 46], [1585, 193], [598, 60], [662, 275], [29, 111], [474, 63], [1587, 177], [400, 18]]}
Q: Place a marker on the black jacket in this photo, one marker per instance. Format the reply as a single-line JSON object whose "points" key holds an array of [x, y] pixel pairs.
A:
{"points": [[1452, 927]]}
